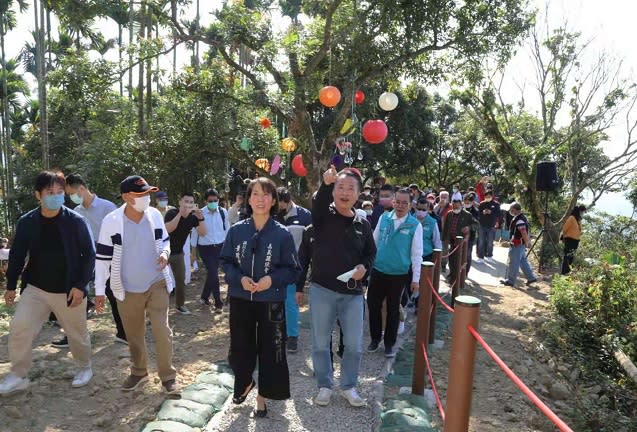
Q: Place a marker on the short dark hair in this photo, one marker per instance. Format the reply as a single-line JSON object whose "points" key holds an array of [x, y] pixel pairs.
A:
{"points": [[387, 187], [283, 194], [349, 172], [488, 192], [187, 193], [46, 179], [267, 186], [406, 191], [75, 180], [211, 192]]}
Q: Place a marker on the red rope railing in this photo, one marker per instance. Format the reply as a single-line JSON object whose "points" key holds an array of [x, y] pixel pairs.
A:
{"points": [[562, 426], [452, 251], [433, 383], [518, 382]]}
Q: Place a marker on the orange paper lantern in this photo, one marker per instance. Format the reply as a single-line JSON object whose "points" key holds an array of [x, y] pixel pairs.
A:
{"points": [[288, 145], [265, 122], [329, 96], [263, 163]]}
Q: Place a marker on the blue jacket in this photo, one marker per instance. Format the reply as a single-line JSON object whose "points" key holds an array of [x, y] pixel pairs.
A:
{"points": [[79, 248], [252, 253]]}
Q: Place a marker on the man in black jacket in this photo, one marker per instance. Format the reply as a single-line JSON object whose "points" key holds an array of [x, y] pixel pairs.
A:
{"points": [[61, 264], [458, 222], [343, 250]]}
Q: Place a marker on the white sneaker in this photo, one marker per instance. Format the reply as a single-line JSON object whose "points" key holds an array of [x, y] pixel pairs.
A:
{"points": [[82, 377], [478, 260], [401, 327], [12, 384], [489, 259], [353, 398], [323, 397]]}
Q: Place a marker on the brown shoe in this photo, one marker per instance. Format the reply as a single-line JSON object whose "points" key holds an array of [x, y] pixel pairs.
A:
{"points": [[170, 387], [134, 381]]}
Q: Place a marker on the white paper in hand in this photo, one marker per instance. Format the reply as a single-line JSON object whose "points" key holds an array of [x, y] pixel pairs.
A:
{"points": [[346, 276]]}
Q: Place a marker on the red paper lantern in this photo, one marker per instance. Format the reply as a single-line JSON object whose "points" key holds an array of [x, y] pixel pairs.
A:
{"points": [[374, 131], [359, 97], [265, 122], [329, 96], [297, 166]]}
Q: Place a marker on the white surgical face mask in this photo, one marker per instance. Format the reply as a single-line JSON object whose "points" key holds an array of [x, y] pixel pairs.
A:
{"points": [[162, 203], [76, 198], [142, 203], [457, 211]]}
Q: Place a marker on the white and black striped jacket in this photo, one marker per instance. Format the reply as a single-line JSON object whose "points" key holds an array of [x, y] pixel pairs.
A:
{"points": [[109, 250]]}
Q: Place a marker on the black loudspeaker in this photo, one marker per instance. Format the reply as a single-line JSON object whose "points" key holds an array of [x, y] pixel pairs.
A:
{"points": [[546, 179]]}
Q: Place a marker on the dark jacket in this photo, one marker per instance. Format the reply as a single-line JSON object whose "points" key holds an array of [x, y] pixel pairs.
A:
{"points": [[340, 244], [475, 213], [466, 220], [305, 256], [489, 220], [252, 253], [79, 248], [377, 212]]}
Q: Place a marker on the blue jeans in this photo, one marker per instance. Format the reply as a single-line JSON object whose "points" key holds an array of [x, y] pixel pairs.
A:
{"points": [[325, 306], [486, 236], [210, 257], [517, 259], [291, 312]]}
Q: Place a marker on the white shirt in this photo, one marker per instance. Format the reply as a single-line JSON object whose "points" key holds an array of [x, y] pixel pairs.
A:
{"points": [[216, 230], [416, 245]]}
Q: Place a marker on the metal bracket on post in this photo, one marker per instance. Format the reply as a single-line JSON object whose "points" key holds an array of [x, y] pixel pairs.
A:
{"points": [[422, 327], [461, 364]]}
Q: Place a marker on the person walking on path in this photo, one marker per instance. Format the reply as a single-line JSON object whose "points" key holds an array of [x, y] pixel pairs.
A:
{"points": [[398, 237], [133, 251], [61, 263], [260, 261], [457, 223], [179, 224], [94, 209], [489, 213], [295, 218], [571, 232], [217, 224], [519, 234], [344, 249]]}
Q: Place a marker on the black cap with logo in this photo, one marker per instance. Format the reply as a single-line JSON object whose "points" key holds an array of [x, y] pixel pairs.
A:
{"points": [[136, 185]]}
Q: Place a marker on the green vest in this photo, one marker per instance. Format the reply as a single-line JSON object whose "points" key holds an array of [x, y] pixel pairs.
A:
{"points": [[393, 248]]}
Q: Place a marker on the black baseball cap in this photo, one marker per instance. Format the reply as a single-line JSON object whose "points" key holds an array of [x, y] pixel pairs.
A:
{"points": [[136, 185]]}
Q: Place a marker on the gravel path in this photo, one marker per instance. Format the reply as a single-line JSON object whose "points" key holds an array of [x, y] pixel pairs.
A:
{"points": [[299, 413]]}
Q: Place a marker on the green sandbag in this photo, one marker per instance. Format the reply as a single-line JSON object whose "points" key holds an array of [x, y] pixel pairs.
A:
{"points": [[208, 394], [218, 378], [186, 411], [167, 426]]}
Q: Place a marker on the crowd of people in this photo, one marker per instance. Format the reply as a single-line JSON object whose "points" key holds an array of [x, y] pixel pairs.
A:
{"points": [[358, 246]]}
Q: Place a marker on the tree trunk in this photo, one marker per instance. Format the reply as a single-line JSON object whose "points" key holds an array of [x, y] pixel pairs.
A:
{"points": [[140, 77], [197, 43], [48, 36], [149, 68], [120, 34], [173, 11], [130, 54], [6, 130]]}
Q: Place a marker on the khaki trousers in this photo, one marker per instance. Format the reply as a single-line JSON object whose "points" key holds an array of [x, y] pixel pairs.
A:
{"points": [[31, 313], [133, 310]]}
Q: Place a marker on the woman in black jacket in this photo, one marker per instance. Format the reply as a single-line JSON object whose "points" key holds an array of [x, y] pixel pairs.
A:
{"points": [[260, 261]]}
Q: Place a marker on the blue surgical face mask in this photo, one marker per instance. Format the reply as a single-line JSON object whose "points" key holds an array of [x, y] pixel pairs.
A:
{"points": [[213, 205], [53, 201], [76, 198], [162, 203]]}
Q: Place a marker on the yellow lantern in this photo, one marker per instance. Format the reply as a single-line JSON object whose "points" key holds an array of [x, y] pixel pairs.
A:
{"points": [[288, 145], [262, 163]]}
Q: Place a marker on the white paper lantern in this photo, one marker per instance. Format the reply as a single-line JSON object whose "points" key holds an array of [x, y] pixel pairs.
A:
{"points": [[388, 101]]}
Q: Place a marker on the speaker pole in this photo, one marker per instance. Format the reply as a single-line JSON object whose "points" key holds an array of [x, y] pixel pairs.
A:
{"points": [[545, 230]]}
